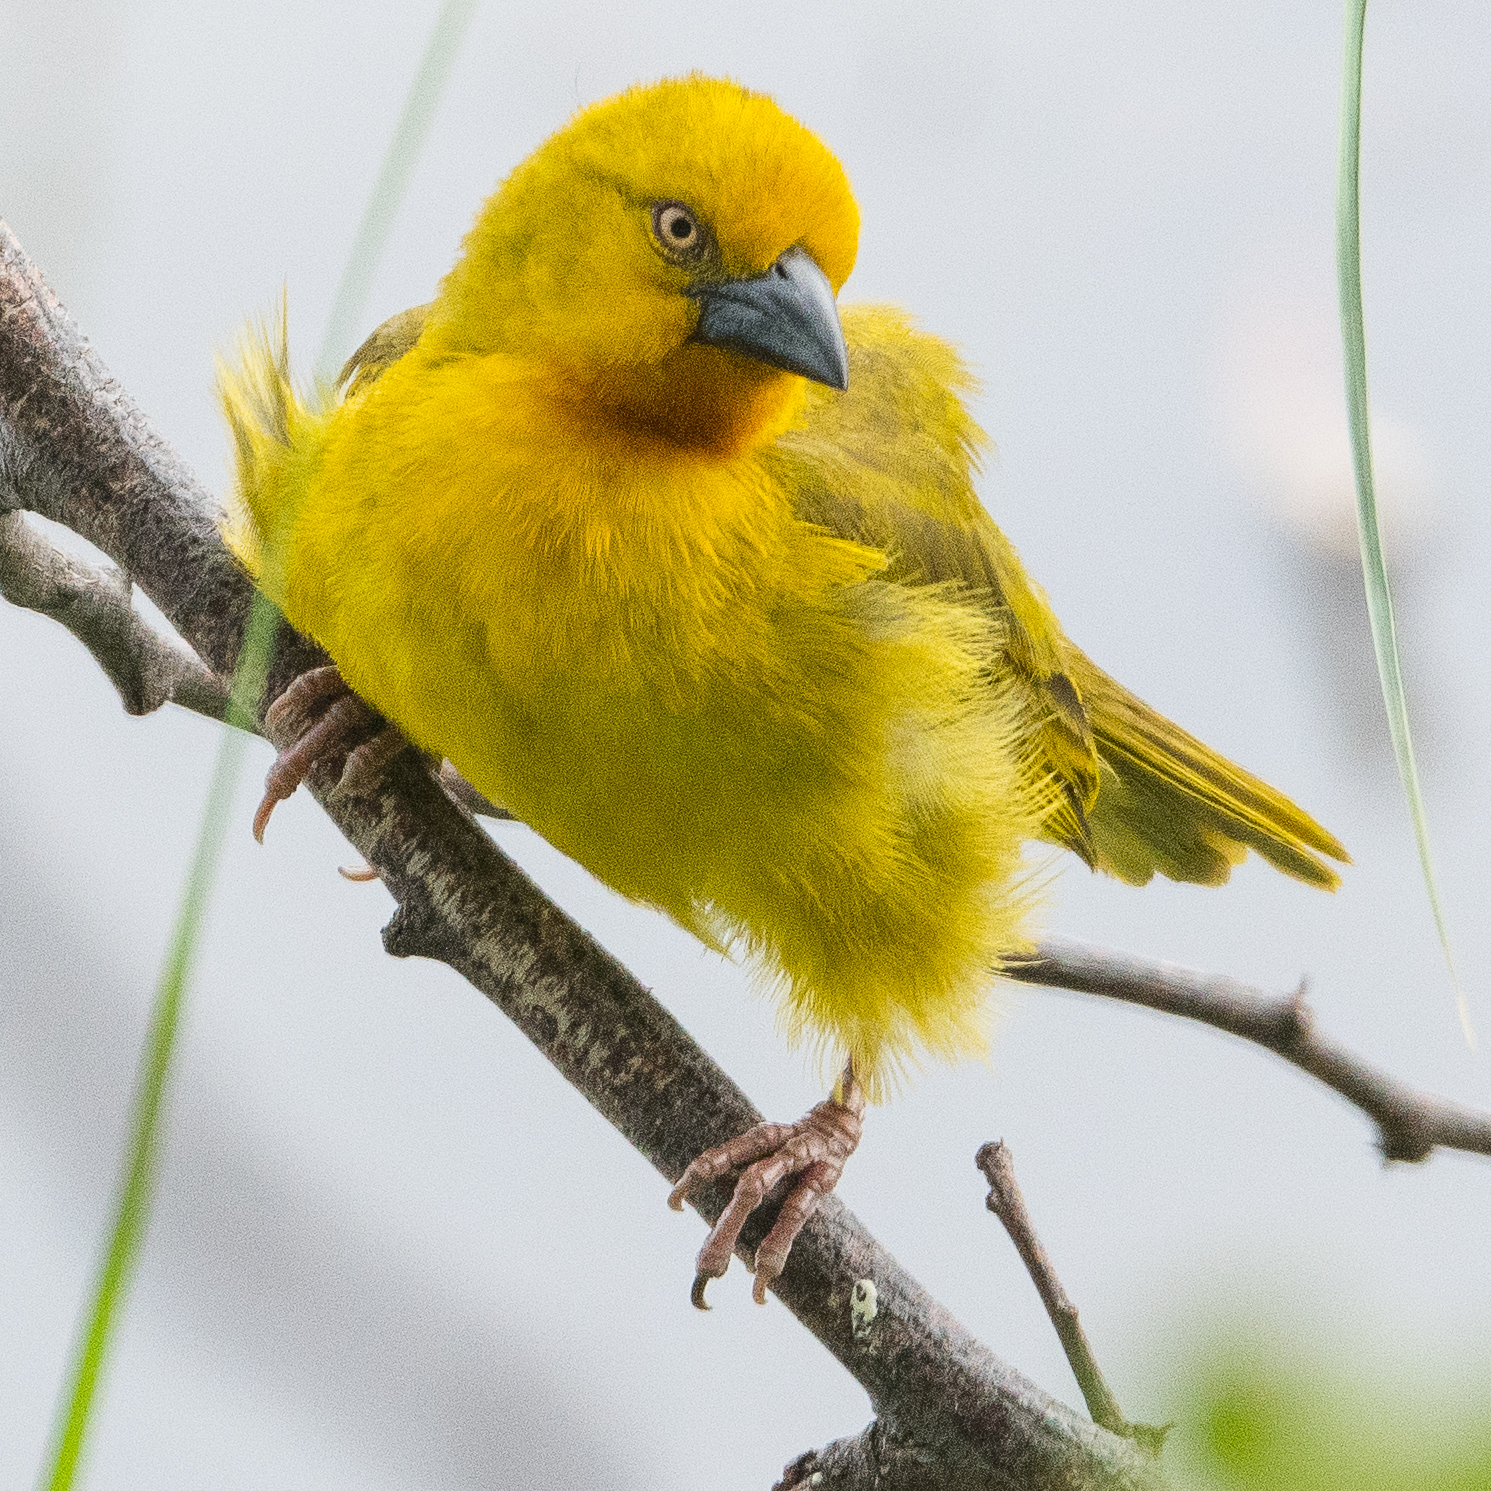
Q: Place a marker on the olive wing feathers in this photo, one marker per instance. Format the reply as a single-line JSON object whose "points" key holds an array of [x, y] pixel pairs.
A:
{"points": [[382, 349], [891, 464]]}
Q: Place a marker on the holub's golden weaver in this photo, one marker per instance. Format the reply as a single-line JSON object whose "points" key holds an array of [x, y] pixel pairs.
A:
{"points": [[691, 576]]}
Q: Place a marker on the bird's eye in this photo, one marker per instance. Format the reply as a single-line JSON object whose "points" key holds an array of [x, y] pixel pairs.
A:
{"points": [[679, 234]]}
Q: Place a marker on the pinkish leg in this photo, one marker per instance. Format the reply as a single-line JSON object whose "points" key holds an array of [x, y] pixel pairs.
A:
{"points": [[815, 1148], [368, 761], [298, 708], [329, 730]]}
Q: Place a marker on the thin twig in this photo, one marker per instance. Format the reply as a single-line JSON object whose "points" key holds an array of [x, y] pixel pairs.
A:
{"points": [[74, 447], [1410, 1124], [1006, 1202], [93, 603]]}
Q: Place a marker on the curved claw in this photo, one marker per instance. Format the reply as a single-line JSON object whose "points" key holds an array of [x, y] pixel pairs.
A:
{"points": [[267, 804], [696, 1294], [278, 787], [359, 876]]}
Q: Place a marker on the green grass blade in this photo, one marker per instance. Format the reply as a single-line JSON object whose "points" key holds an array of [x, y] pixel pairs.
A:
{"points": [[132, 1203], [1374, 568], [393, 179]]}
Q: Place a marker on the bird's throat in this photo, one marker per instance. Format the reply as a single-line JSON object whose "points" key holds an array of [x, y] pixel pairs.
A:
{"points": [[698, 398]]}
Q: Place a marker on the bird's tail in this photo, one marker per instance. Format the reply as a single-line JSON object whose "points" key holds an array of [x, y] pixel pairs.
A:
{"points": [[1169, 804], [267, 416]]}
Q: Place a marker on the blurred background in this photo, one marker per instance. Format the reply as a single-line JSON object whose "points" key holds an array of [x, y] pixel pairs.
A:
{"points": [[391, 1248]]}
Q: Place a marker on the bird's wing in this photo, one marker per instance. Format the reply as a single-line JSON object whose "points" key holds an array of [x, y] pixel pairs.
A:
{"points": [[383, 348], [890, 464], [1169, 804]]}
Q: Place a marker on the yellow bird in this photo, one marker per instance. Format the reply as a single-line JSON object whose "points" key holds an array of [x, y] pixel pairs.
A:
{"points": [[690, 574]]}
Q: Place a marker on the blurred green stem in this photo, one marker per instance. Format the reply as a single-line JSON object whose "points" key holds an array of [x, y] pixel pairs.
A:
{"points": [[133, 1204], [1374, 566], [393, 180]]}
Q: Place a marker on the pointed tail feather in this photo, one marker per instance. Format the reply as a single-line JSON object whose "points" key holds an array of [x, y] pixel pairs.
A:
{"points": [[1170, 805]]}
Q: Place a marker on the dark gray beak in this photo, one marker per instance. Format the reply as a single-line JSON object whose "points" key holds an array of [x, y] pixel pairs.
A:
{"points": [[785, 318]]}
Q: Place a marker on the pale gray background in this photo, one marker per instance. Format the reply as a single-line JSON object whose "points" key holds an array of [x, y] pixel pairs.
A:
{"points": [[373, 1261]]}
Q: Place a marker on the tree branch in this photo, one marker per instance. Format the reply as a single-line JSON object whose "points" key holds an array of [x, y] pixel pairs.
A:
{"points": [[1410, 1124], [74, 448], [879, 1459], [93, 603]]}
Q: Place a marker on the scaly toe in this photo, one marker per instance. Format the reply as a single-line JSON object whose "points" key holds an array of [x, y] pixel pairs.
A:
{"points": [[329, 733], [813, 1150], [368, 761]]}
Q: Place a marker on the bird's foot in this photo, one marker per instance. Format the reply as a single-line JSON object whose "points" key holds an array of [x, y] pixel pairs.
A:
{"points": [[328, 735], [813, 1149]]}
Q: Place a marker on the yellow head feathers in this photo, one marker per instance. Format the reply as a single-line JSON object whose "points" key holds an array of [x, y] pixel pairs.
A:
{"points": [[564, 261]]}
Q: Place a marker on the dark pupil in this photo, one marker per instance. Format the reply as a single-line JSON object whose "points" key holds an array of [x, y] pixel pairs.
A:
{"points": [[681, 227]]}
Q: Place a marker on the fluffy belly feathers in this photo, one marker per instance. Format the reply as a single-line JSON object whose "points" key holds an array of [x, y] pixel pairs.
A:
{"points": [[820, 777], [716, 708]]}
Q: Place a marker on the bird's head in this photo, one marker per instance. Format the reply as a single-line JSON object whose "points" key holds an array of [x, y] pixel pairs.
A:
{"points": [[669, 258]]}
